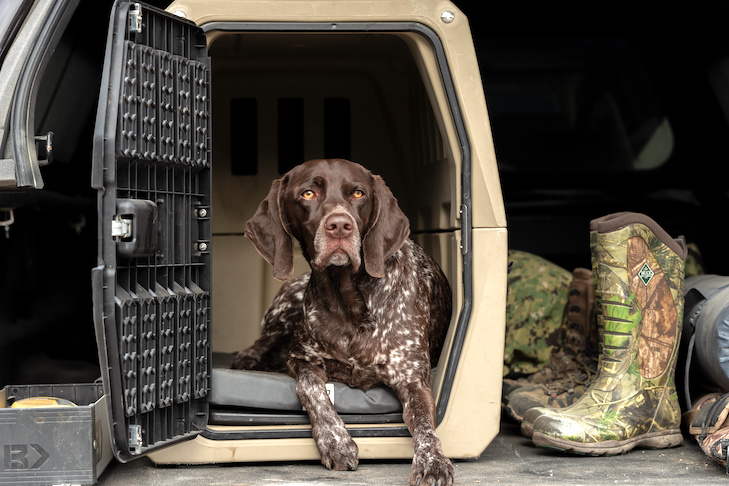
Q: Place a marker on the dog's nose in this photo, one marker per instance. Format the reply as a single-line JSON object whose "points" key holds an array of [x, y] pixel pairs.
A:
{"points": [[339, 226]]}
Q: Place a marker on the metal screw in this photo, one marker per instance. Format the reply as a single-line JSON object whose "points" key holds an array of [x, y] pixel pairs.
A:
{"points": [[202, 246], [202, 212], [447, 16]]}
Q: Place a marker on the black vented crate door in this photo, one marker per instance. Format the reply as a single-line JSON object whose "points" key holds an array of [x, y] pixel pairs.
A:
{"points": [[152, 283]]}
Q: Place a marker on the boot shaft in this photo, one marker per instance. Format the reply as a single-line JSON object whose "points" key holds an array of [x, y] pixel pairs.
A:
{"points": [[640, 283]]}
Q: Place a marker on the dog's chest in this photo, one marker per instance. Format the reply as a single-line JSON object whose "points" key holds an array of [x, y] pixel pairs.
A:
{"points": [[390, 338], [366, 356]]}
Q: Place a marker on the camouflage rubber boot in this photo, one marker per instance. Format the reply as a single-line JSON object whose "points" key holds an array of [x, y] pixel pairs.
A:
{"points": [[564, 380], [633, 400]]}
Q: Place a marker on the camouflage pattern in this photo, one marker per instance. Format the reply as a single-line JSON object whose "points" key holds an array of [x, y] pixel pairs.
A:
{"points": [[715, 446], [535, 312], [530, 416], [694, 262], [633, 400], [573, 365], [708, 422]]}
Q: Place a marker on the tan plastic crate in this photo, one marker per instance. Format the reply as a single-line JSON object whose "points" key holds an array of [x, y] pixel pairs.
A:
{"points": [[418, 117]]}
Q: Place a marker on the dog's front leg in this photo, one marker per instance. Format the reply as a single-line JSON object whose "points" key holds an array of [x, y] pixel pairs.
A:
{"points": [[338, 450], [430, 465]]}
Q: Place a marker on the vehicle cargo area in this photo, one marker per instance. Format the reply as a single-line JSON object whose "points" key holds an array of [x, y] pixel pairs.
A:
{"points": [[127, 282]]}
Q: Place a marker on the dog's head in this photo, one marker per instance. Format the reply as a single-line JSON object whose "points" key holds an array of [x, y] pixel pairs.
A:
{"points": [[340, 213]]}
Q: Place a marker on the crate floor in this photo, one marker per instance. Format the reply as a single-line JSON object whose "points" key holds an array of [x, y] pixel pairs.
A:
{"points": [[510, 459]]}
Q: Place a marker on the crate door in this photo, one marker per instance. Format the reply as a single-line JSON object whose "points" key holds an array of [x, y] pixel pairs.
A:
{"points": [[152, 284]]}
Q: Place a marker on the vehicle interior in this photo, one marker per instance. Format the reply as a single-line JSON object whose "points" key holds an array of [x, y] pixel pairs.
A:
{"points": [[585, 122]]}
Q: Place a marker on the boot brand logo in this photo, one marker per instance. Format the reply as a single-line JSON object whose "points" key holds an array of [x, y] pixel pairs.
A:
{"points": [[645, 274]]}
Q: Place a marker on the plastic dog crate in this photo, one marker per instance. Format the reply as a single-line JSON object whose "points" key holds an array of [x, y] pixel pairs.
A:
{"points": [[201, 107]]}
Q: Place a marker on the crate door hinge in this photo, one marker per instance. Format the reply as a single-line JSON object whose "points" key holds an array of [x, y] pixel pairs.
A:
{"points": [[135, 18], [135, 439]]}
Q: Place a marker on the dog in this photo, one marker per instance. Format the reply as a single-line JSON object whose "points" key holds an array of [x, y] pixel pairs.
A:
{"points": [[374, 309]]}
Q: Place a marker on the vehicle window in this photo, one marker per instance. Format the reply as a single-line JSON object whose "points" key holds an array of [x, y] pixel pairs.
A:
{"points": [[12, 13], [566, 105]]}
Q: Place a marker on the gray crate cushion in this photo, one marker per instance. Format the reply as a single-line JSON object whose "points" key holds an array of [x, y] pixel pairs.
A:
{"points": [[277, 391]]}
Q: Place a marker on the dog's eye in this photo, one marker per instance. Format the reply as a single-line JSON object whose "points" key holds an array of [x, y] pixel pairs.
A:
{"points": [[357, 194], [308, 194]]}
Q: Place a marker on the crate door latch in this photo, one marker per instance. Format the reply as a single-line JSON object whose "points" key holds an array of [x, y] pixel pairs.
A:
{"points": [[134, 228]]}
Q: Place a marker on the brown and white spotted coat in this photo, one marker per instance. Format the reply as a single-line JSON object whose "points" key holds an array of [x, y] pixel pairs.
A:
{"points": [[374, 309]]}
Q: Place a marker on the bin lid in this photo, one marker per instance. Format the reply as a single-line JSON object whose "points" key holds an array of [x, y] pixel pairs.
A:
{"points": [[151, 167]]}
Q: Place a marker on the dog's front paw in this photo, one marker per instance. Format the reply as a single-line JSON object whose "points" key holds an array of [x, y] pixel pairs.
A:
{"points": [[338, 451], [246, 360], [431, 468]]}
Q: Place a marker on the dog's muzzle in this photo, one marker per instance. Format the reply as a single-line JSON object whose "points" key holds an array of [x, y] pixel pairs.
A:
{"points": [[337, 241]]}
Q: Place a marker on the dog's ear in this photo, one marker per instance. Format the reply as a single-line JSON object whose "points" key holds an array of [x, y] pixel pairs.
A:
{"points": [[269, 233], [388, 229]]}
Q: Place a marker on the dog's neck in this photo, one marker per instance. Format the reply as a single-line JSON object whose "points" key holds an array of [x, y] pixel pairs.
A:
{"points": [[341, 290]]}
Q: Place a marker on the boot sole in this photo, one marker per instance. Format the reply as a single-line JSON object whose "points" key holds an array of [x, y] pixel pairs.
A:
{"points": [[511, 413], [655, 440], [527, 430]]}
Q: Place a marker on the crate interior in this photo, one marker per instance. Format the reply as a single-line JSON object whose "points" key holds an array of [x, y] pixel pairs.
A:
{"points": [[282, 98]]}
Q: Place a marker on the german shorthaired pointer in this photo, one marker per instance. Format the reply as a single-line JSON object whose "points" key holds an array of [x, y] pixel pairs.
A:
{"points": [[374, 309]]}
